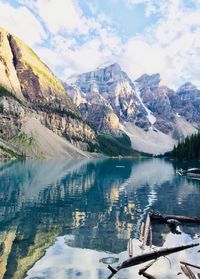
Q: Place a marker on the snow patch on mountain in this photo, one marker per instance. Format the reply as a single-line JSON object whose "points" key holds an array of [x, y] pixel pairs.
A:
{"points": [[150, 116], [151, 141]]}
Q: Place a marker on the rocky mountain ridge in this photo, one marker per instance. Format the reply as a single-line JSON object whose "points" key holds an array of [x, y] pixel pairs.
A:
{"points": [[186, 103], [41, 117], [109, 88], [144, 108], [29, 90]]}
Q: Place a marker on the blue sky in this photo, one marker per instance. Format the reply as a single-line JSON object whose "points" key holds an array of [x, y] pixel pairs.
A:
{"points": [[128, 20], [143, 36]]}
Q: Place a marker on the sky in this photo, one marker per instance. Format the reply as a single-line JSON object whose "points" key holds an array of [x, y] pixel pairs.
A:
{"points": [[143, 36]]}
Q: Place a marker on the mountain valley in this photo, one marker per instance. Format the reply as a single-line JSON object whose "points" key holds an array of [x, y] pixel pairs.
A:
{"points": [[101, 111]]}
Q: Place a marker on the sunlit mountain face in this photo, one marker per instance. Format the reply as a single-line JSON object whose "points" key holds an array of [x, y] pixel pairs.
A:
{"points": [[85, 211]]}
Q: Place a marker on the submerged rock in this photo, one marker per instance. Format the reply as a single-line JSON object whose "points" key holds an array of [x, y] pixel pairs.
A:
{"points": [[109, 260]]}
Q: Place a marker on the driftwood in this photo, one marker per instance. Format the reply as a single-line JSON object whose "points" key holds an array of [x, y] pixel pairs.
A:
{"points": [[147, 275], [149, 256], [141, 237], [162, 218], [130, 248], [150, 237], [188, 272], [146, 230], [143, 270], [192, 265]]}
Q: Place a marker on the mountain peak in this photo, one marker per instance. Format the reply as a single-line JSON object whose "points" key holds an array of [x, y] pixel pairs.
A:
{"points": [[28, 87], [114, 69], [109, 65], [108, 68], [149, 80], [188, 86]]}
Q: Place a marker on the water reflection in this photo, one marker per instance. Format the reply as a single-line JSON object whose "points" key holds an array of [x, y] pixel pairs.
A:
{"points": [[90, 204], [62, 261]]}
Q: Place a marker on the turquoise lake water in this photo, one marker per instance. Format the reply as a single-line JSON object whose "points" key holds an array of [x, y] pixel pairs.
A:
{"points": [[63, 219]]}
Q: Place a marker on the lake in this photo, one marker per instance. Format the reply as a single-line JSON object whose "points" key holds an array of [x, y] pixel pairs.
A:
{"points": [[65, 219]]}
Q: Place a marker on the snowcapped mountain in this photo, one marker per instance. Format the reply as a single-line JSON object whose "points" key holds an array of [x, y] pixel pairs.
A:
{"points": [[155, 96], [150, 113], [109, 88]]}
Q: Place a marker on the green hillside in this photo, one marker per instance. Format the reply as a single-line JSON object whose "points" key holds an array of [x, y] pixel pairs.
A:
{"points": [[116, 145]]}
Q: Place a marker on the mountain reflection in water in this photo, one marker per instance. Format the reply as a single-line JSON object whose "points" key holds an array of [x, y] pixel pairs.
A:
{"points": [[90, 204]]}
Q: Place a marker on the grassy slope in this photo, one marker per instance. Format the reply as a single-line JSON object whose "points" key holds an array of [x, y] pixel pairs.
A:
{"points": [[47, 80], [30, 58], [6, 93], [9, 153]]}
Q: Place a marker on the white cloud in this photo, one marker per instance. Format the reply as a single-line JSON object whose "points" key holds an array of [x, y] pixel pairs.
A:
{"points": [[65, 22], [151, 6], [136, 2], [60, 16], [50, 57], [66, 51], [74, 58], [21, 22], [85, 57], [171, 47], [140, 57]]}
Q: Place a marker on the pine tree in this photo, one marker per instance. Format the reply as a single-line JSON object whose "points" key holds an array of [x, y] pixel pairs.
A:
{"points": [[189, 149]]}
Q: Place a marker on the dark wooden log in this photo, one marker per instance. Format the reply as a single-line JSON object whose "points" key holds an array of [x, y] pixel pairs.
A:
{"points": [[111, 275], [150, 237], [185, 271], [192, 275], [143, 270], [154, 255], [151, 256], [146, 230], [130, 248], [192, 265], [112, 269], [156, 216], [147, 275], [141, 236], [188, 272]]}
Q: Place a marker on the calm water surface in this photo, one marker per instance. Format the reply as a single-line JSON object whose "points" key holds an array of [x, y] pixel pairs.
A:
{"points": [[61, 219]]}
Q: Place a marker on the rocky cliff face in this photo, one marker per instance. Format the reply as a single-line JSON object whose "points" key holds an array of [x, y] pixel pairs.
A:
{"points": [[186, 103], [146, 109], [29, 89], [104, 100], [112, 90], [156, 98], [167, 104]]}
